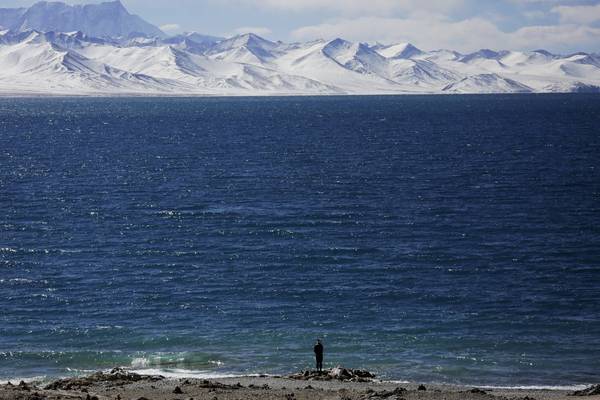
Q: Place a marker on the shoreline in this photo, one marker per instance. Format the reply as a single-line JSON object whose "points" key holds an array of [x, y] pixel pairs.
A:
{"points": [[177, 374], [133, 95], [123, 384]]}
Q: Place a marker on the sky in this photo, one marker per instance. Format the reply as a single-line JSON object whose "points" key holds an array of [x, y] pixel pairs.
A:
{"points": [[464, 25]]}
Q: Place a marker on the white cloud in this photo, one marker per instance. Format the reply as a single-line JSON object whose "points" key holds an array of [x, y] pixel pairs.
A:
{"points": [[170, 27], [354, 7], [534, 1], [578, 14], [429, 33], [434, 32]]}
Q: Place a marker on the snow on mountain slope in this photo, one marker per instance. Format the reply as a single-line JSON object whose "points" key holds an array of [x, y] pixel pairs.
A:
{"points": [[36, 65], [357, 57], [108, 19], [193, 42], [401, 50], [486, 60], [160, 62], [337, 64], [193, 64], [440, 56], [483, 54], [486, 83], [263, 80], [248, 48], [422, 74], [101, 66], [515, 59], [199, 38]]}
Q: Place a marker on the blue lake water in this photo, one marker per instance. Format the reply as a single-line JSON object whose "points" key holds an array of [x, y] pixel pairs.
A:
{"points": [[425, 238]]}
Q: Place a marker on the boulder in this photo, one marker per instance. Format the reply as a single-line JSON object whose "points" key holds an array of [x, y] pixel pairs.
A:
{"points": [[116, 377], [340, 373], [590, 391], [337, 373]]}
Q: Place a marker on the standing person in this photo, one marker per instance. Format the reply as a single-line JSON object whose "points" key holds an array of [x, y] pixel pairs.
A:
{"points": [[319, 355]]}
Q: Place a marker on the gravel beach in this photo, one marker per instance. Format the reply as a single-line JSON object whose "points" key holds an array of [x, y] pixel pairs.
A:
{"points": [[119, 384]]}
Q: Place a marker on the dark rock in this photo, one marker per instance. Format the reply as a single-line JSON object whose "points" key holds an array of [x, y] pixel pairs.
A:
{"points": [[116, 377], [422, 387], [362, 373], [177, 390], [206, 384], [24, 386], [338, 373], [477, 391], [591, 391], [142, 398], [384, 394]]}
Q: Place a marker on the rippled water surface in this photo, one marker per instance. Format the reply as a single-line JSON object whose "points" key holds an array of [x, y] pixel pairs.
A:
{"points": [[437, 238]]}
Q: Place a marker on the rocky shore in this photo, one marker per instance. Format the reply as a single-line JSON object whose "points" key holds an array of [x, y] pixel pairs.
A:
{"points": [[335, 384]]}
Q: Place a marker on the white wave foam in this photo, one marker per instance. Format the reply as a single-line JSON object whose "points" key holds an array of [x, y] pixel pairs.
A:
{"points": [[491, 387], [184, 373], [16, 381], [538, 387], [139, 362]]}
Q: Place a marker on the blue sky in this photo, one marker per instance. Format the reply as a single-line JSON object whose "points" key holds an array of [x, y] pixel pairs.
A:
{"points": [[464, 25]]}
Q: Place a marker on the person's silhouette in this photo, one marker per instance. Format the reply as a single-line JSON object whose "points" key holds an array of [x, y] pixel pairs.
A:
{"points": [[319, 355]]}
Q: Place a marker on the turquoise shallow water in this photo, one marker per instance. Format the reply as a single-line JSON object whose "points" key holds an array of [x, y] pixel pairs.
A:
{"points": [[437, 238]]}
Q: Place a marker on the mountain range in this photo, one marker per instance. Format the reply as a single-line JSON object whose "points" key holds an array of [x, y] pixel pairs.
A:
{"points": [[102, 49]]}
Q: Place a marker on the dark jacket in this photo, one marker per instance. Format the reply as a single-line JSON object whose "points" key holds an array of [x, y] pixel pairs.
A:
{"points": [[318, 350]]}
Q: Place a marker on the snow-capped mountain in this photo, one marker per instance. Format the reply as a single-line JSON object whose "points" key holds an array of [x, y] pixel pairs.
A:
{"points": [[114, 60], [109, 19]]}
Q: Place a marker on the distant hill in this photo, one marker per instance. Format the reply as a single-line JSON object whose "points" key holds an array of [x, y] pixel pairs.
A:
{"points": [[109, 19]]}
